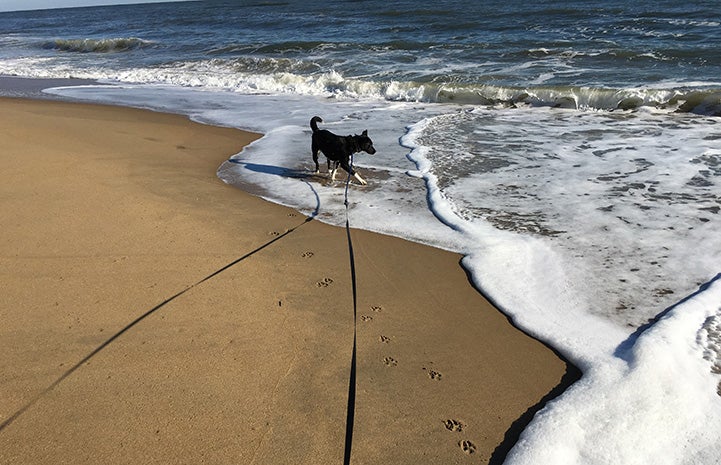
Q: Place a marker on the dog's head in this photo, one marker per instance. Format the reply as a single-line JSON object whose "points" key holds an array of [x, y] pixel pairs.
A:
{"points": [[365, 143]]}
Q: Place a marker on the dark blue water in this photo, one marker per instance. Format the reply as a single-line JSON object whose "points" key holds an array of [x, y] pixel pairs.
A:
{"points": [[583, 54]]}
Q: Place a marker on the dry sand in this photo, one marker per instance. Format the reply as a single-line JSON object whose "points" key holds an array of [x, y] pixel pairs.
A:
{"points": [[109, 212]]}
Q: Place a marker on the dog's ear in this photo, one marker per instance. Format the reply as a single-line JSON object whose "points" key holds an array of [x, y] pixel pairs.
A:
{"points": [[365, 133]]}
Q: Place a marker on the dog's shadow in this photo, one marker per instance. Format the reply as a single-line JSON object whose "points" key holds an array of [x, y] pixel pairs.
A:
{"points": [[274, 170], [293, 173]]}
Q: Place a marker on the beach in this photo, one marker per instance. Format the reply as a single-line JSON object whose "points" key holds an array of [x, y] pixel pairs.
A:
{"points": [[153, 314], [555, 173]]}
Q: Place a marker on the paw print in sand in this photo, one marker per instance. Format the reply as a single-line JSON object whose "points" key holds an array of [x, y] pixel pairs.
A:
{"points": [[433, 374], [390, 361], [467, 447], [325, 282], [453, 425]]}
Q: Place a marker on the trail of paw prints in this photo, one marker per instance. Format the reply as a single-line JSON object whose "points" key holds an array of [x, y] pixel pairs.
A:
{"points": [[367, 318], [377, 309], [457, 426], [325, 282], [388, 361]]}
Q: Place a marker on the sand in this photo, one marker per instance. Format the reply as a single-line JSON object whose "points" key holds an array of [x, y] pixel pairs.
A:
{"points": [[153, 315]]}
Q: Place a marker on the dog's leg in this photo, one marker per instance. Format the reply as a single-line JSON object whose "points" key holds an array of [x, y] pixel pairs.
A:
{"points": [[344, 164], [360, 180], [355, 175], [333, 170], [314, 151]]}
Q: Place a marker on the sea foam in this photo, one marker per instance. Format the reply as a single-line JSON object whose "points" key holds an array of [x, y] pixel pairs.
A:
{"points": [[652, 394], [650, 402]]}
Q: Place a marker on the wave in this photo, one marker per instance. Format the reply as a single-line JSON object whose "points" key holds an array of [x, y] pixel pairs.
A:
{"points": [[275, 75], [275, 48], [611, 54], [293, 76], [96, 45], [303, 48], [301, 77], [701, 102]]}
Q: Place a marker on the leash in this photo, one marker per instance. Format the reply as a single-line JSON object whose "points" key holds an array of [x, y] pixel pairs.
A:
{"points": [[352, 381]]}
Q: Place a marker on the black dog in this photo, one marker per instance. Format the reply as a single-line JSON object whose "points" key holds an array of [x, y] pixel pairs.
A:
{"points": [[338, 149]]}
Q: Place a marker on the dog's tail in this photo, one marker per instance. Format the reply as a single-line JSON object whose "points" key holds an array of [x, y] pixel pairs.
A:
{"points": [[314, 122]]}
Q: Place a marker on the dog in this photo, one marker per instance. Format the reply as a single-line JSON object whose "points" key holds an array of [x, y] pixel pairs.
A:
{"points": [[338, 149]]}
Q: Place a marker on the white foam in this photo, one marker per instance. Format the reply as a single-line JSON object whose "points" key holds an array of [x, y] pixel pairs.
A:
{"points": [[523, 275], [647, 400], [625, 196], [654, 402]]}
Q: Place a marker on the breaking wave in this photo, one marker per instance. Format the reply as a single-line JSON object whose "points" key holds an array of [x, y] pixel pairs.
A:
{"points": [[289, 76], [296, 76], [96, 45]]}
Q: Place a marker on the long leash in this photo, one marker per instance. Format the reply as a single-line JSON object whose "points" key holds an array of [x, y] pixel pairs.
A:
{"points": [[352, 381]]}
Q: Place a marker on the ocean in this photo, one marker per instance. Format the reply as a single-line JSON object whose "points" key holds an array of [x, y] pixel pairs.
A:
{"points": [[569, 150]]}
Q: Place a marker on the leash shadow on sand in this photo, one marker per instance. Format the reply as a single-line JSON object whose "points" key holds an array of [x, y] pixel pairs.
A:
{"points": [[145, 315], [284, 172]]}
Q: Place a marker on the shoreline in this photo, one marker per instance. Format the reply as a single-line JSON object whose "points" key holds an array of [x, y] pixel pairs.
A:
{"points": [[32, 88], [116, 210]]}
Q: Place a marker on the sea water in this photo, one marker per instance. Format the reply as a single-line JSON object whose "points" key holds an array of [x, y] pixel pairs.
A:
{"points": [[569, 151]]}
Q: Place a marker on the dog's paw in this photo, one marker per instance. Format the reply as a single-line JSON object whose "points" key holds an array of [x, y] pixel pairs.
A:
{"points": [[360, 180]]}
